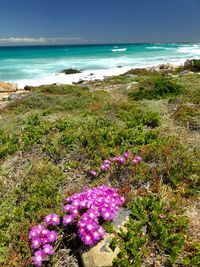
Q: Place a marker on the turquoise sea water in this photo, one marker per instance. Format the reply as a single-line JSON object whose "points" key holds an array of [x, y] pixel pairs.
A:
{"points": [[35, 63]]}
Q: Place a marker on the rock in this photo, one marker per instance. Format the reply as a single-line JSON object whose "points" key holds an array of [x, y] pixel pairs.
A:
{"points": [[192, 65], [14, 96], [169, 67], [186, 72], [188, 64], [79, 82], [28, 87], [70, 71], [102, 255], [8, 87], [131, 75]]}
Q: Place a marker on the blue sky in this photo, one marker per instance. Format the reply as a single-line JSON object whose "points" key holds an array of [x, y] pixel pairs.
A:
{"points": [[98, 21]]}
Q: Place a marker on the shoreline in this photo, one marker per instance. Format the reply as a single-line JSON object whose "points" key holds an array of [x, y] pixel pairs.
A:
{"points": [[87, 75], [16, 90]]}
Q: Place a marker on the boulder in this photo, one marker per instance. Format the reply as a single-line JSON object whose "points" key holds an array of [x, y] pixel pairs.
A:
{"points": [[131, 75], [8, 87], [70, 71], [192, 65], [28, 88], [186, 72], [168, 66], [101, 255], [15, 96], [188, 64]]}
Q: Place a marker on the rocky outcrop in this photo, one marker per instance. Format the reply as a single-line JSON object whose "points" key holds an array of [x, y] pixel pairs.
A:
{"points": [[192, 65], [186, 72], [70, 71], [8, 87], [102, 255], [163, 68]]}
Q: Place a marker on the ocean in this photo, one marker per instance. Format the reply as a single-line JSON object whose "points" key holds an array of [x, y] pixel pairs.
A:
{"points": [[36, 65]]}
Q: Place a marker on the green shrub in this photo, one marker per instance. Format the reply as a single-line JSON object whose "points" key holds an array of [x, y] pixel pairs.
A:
{"points": [[35, 130], [156, 88], [153, 226], [134, 116], [196, 66], [188, 115], [193, 257]]}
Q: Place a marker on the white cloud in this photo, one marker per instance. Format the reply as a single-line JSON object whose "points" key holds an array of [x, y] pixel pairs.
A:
{"points": [[40, 40]]}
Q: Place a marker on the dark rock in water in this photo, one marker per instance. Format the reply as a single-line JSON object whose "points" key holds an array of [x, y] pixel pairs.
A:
{"points": [[79, 82], [91, 74], [70, 71], [119, 66]]}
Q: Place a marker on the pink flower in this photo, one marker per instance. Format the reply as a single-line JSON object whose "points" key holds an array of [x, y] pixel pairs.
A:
{"points": [[87, 239], [74, 211], [33, 233], [55, 220], [48, 218], [48, 249], [39, 257], [94, 173], [126, 154], [36, 242], [106, 161], [105, 167], [67, 208], [162, 216], [68, 219], [52, 236], [52, 219], [137, 159]]}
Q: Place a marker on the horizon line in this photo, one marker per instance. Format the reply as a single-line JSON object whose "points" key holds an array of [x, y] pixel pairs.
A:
{"points": [[92, 43]]}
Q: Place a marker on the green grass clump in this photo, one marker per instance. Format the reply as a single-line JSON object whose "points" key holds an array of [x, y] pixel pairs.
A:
{"points": [[188, 116], [153, 227], [35, 196], [156, 88], [169, 161]]}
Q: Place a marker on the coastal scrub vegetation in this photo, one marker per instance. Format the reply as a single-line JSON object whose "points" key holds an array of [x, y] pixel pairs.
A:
{"points": [[52, 145]]}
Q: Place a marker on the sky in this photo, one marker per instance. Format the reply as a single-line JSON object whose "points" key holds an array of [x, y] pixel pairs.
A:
{"points": [[36, 22]]}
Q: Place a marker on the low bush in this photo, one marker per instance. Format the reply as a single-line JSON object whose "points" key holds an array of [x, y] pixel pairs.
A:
{"points": [[154, 226], [156, 88], [188, 115]]}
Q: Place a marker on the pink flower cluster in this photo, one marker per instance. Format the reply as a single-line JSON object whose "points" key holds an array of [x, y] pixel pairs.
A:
{"points": [[41, 239], [85, 209], [102, 201], [120, 160]]}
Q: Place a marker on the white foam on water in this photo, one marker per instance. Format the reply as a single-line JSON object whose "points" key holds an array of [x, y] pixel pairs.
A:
{"points": [[72, 78], [191, 50], [119, 49], [154, 47]]}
